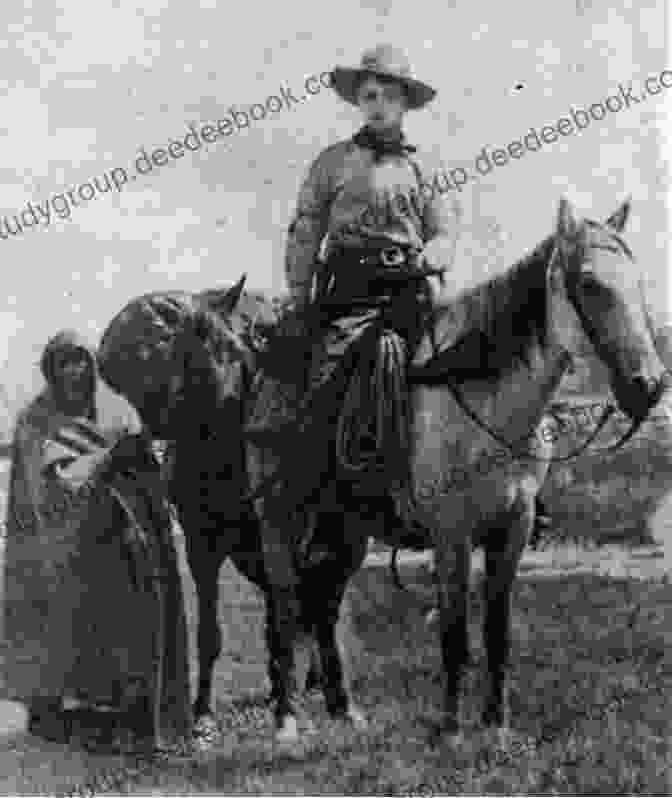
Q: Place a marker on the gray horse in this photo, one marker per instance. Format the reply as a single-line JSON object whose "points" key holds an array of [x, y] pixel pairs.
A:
{"points": [[481, 414]]}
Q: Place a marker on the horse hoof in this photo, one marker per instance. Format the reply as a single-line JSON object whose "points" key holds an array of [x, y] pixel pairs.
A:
{"points": [[357, 718], [499, 737], [453, 739], [444, 732], [432, 617], [287, 731], [496, 717], [206, 731], [352, 716], [314, 682], [440, 737]]}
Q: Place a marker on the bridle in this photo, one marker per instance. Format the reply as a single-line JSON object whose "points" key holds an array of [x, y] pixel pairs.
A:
{"points": [[609, 410]]}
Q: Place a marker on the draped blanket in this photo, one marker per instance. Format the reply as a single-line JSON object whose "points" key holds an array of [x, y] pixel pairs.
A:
{"points": [[91, 580], [137, 354]]}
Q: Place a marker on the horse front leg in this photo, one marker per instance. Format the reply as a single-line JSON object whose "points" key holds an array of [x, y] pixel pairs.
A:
{"points": [[323, 589], [204, 569], [502, 556], [453, 568], [286, 633], [250, 563]]}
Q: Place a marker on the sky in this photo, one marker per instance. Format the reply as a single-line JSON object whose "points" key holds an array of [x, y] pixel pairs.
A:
{"points": [[86, 85]]}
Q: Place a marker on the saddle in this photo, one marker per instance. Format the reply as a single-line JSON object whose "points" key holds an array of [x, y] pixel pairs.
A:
{"points": [[373, 436]]}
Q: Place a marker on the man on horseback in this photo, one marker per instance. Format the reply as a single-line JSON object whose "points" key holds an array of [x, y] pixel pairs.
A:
{"points": [[374, 220]]}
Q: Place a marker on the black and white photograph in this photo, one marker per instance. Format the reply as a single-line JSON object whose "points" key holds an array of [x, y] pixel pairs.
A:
{"points": [[336, 398]]}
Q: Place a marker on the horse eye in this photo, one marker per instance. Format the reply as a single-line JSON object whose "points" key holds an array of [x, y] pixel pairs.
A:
{"points": [[589, 282]]}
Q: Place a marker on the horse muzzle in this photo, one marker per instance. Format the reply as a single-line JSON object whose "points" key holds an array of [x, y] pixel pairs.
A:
{"points": [[641, 394]]}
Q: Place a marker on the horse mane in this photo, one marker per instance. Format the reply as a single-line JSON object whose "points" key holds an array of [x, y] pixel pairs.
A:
{"points": [[502, 319]]}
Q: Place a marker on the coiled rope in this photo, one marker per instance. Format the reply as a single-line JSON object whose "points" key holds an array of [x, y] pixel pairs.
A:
{"points": [[373, 426]]}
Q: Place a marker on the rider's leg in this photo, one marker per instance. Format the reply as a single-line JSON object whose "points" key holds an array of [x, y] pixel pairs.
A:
{"points": [[306, 456]]}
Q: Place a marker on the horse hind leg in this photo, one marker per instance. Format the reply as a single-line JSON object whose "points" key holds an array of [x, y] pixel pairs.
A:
{"points": [[285, 632], [503, 551], [315, 676]]}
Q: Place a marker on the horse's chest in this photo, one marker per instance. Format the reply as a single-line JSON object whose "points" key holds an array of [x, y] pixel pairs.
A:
{"points": [[460, 474]]}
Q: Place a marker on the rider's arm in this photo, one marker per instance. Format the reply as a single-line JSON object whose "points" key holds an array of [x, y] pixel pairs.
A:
{"points": [[441, 219], [306, 231]]}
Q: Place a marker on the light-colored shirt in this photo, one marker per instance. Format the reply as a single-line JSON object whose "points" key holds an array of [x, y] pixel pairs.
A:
{"points": [[349, 196]]}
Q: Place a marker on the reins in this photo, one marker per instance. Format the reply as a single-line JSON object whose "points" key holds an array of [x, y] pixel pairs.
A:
{"points": [[607, 413]]}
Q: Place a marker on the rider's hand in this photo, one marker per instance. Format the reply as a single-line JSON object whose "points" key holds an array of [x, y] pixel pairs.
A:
{"points": [[428, 260]]}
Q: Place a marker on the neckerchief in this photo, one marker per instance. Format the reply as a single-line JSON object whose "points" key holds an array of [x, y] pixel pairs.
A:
{"points": [[368, 139]]}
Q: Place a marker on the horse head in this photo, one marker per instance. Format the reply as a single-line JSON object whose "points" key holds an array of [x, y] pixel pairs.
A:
{"points": [[215, 362], [596, 292]]}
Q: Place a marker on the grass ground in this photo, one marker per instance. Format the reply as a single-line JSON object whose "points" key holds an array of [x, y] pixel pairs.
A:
{"points": [[591, 695], [591, 679]]}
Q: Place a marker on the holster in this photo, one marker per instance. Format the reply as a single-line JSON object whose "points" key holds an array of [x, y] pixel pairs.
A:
{"points": [[358, 279]]}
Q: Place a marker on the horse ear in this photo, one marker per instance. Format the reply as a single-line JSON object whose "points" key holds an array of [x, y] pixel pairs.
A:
{"points": [[225, 303], [566, 226], [619, 218]]}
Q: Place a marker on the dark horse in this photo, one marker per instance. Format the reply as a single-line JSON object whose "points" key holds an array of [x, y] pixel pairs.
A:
{"points": [[523, 323], [193, 392]]}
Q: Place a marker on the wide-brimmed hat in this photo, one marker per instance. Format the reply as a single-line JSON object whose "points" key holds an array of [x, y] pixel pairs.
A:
{"points": [[382, 61]]}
